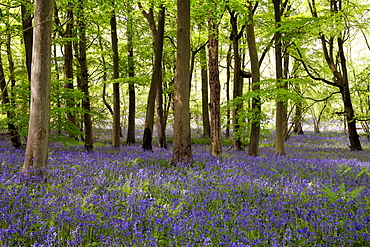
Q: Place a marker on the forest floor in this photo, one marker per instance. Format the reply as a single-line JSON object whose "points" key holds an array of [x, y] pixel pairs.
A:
{"points": [[316, 195]]}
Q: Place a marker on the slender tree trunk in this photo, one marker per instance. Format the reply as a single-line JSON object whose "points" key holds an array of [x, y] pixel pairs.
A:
{"points": [[156, 76], [215, 87], [13, 132], [68, 66], [253, 149], [161, 127], [39, 125], [84, 79], [279, 139], [205, 107], [131, 74], [27, 36], [228, 66], [182, 138], [238, 81], [116, 98]]}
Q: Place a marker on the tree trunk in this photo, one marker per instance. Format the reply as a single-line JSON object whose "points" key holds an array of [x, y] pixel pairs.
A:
{"points": [[39, 125], [156, 76], [228, 68], [131, 74], [215, 87], [116, 99], [279, 139], [253, 149], [182, 142], [84, 79], [161, 127], [205, 108], [68, 66], [27, 36], [13, 132], [238, 81]]}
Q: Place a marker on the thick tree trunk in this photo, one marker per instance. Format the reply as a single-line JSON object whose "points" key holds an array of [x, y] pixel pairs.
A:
{"points": [[253, 149], [156, 76], [84, 79], [38, 133], [205, 107], [116, 99], [279, 138], [27, 36], [215, 87], [14, 136], [182, 137], [131, 86]]}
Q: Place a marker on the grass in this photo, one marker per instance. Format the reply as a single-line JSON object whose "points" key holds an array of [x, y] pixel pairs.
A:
{"points": [[317, 195]]}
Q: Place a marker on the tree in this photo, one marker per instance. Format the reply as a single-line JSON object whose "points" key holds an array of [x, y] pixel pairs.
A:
{"points": [[279, 138], [116, 98], [182, 143], [131, 74], [253, 149], [205, 107], [338, 66], [38, 132], [27, 33], [157, 35], [214, 84], [84, 77]]}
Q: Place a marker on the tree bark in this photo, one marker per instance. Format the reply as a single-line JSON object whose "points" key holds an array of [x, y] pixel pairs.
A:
{"points": [[39, 125], [205, 95], [84, 79], [215, 87], [182, 137], [156, 75], [116, 97], [131, 74], [68, 66], [238, 81], [253, 149], [27, 36], [279, 138]]}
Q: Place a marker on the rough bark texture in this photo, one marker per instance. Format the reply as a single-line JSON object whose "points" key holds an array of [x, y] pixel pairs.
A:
{"points": [[116, 100], [215, 87], [38, 133], [205, 95], [253, 149], [279, 138], [156, 75], [84, 79], [182, 144]]}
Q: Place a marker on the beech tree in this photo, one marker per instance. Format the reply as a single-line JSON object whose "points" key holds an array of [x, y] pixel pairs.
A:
{"points": [[182, 143], [38, 132]]}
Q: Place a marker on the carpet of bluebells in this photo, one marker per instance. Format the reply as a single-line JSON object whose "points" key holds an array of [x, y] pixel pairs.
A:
{"points": [[317, 195]]}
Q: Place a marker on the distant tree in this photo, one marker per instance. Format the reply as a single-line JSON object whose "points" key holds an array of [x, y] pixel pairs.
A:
{"points": [[84, 77], [39, 124], [116, 97], [131, 74], [27, 17], [182, 144], [205, 95]]}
